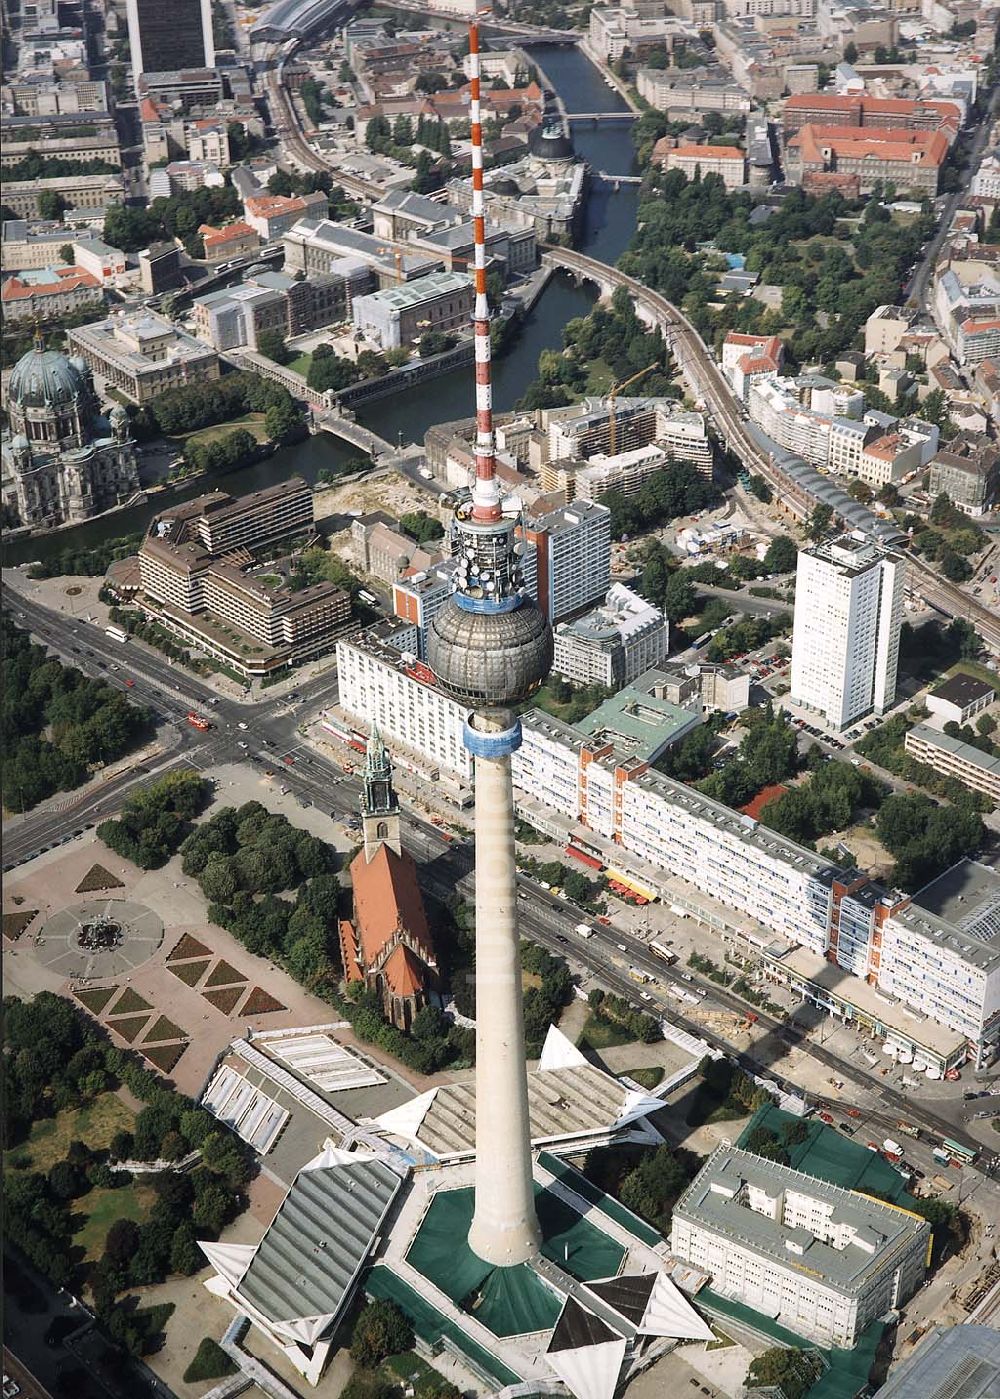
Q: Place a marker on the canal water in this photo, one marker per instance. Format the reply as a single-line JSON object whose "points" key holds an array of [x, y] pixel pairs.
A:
{"points": [[606, 229]]}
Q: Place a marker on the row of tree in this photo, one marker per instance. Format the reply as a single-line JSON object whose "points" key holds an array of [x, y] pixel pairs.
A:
{"points": [[768, 753], [829, 801], [57, 724]]}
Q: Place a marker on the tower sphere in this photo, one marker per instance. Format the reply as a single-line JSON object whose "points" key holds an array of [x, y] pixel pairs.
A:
{"points": [[490, 660]]}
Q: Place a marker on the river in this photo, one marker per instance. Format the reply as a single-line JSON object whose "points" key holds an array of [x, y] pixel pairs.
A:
{"points": [[606, 229]]}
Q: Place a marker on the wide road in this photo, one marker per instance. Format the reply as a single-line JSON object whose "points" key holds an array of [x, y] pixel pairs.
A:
{"points": [[707, 382], [270, 741]]}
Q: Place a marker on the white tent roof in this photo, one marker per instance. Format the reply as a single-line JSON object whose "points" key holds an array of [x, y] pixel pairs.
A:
{"points": [[559, 1052], [591, 1373]]}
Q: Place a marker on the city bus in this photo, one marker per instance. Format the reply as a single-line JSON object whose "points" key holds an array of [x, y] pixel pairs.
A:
{"points": [[957, 1152], [116, 633], [669, 957], [370, 598]]}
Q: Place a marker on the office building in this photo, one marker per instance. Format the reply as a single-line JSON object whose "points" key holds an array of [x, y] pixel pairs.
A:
{"points": [[417, 597], [861, 110], [817, 1259], [382, 684], [160, 267], [397, 316], [63, 461], [164, 38], [951, 1360], [614, 644], [85, 196], [201, 581], [316, 244], [143, 354], [978, 771], [572, 547], [845, 637]]}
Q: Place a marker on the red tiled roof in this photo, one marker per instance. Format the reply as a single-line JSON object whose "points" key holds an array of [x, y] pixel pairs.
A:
{"points": [[65, 279], [871, 143], [212, 237], [404, 973], [713, 152], [387, 899]]}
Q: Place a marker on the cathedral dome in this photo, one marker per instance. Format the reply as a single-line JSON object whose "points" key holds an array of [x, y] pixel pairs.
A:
{"points": [[45, 379]]}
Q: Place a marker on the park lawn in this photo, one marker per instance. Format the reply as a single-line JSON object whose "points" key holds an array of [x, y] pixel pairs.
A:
{"points": [[646, 1078], [103, 1207], [600, 377], [300, 364], [95, 1124], [981, 672], [410, 1369], [250, 422], [600, 1034]]}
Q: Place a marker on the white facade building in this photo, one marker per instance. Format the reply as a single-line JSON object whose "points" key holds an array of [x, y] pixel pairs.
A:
{"points": [[382, 682], [614, 644], [572, 548], [845, 639], [818, 1259]]}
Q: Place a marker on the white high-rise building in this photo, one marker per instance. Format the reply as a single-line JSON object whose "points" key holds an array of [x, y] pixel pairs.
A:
{"points": [[845, 641]]}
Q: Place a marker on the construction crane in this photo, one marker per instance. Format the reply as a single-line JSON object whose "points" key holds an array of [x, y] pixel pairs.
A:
{"points": [[613, 393]]}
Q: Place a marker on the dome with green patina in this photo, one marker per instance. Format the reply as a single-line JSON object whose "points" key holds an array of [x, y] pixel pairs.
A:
{"points": [[45, 379]]}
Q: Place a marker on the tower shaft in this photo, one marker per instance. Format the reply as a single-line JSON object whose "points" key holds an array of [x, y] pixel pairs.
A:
{"points": [[504, 1226]]}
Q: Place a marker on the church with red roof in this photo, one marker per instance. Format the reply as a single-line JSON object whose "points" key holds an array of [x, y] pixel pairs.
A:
{"points": [[387, 943]]}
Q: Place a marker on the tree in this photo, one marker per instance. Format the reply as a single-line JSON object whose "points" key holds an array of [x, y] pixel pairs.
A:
{"points": [[782, 555], [424, 528], [50, 205], [121, 1242], [793, 1371], [271, 344], [381, 1330], [820, 521], [66, 253], [986, 724], [679, 597]]}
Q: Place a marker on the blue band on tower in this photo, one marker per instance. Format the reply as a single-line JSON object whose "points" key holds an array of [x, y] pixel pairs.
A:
{"points": [[498, 744], [489, 606]]}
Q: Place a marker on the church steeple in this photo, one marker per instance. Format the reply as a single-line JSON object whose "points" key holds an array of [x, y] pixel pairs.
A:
{"points": [[379, 806]]}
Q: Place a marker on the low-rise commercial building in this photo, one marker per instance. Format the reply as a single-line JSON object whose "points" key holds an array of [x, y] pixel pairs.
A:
{"points": [[614, 644], [272, 215], [815, 1258], [978, 771], [960, 698], [396, 316], [231, 241], [199, 580], [143, 354], [99, 258]]}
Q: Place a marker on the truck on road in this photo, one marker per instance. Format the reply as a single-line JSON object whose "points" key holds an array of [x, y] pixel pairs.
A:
{"points": [[584, 930], [198, 721]]}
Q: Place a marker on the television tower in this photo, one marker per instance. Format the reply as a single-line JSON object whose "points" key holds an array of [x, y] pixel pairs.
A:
{"points": [[490, 647]]}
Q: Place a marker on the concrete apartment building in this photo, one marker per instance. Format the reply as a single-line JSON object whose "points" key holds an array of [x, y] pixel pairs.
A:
{"points": [[938, 954], [614, 644], [592, 455], [845, 637], [968, 471], [199, 580], [383, 683], [143, 354], [572, 547], [397, 316], [819, 1260], [978, 771]]}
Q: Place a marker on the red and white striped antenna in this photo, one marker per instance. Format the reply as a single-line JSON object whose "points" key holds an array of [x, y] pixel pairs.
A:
{"points": [[486, 493]]}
